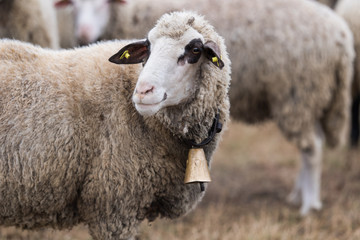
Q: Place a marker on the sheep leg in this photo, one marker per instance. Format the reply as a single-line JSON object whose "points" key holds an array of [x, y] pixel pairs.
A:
{"points": [[307, 185], [311, 177]]}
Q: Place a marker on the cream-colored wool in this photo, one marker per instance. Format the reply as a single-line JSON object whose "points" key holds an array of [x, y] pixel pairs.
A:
{"points": [[29, 20], [349, 10], [74, 149], [295, 62]]}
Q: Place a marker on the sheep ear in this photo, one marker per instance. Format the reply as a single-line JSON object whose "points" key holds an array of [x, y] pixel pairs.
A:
{"points": [[131, 54], [212, 52]]}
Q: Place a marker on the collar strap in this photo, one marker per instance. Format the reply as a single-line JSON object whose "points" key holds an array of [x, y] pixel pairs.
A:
{"points": [[215, 128]]}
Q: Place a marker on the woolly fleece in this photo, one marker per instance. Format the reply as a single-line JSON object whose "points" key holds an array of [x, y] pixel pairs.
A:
{"points": [[30, 21], [73, 148]]}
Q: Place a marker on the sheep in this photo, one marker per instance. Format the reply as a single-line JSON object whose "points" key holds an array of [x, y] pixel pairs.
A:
{"points": [[87, 141], [29, 20], [83, 22], [310, 42], [295, 69], [349, 10]]}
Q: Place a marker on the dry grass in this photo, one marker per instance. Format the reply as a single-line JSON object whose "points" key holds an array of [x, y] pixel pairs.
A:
{"points": [[253, 171]]}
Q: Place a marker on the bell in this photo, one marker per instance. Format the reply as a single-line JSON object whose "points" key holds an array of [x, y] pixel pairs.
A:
{"points": [[196, 167]]}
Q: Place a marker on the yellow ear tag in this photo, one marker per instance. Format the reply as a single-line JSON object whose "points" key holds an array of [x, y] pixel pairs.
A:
{"points": [[215, 60], [125, 55]]}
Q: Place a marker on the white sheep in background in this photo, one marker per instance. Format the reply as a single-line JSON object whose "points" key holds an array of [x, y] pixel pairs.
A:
{"points": [[294, 67], [350, 11], [75, 148], [291, 63], [83, 21], [29, 20]]}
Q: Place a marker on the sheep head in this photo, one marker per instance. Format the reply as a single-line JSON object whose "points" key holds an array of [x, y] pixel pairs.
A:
{"points": [[91, 17], [171, 66]]}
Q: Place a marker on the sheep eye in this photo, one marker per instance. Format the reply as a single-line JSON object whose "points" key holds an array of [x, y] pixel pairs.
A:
{"points": [[196, 50]]}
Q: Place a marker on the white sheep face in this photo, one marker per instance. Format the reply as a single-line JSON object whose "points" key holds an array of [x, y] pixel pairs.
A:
{"points": [[91, 17], [166, 81], [170, 68]]}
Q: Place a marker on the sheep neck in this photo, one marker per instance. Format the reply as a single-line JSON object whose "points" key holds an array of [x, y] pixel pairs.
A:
{"points": [[215, 128]]}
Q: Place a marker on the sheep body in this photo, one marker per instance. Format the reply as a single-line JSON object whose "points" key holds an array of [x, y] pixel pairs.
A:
{"points": [[29, 20], [349, 10], [294, 68], [287, 72], [74, 149]]}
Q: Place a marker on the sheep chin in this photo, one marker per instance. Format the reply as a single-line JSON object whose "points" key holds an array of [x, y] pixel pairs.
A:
{"points": [[147, 109]]}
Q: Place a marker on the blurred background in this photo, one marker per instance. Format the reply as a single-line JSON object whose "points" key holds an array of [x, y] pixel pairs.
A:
{"points": [[253, 169]]}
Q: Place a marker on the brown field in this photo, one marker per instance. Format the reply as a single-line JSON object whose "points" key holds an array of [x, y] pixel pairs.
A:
{"points": [[252, 172]]}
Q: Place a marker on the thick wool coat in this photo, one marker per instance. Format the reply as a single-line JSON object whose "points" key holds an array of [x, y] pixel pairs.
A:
{"points": [[74, 149]]}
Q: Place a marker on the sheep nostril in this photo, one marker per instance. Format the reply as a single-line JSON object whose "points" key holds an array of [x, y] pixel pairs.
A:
{"points": [[149, 90], [144, 90]]}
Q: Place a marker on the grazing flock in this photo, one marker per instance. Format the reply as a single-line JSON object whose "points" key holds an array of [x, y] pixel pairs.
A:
{"points": [[98, 132]]}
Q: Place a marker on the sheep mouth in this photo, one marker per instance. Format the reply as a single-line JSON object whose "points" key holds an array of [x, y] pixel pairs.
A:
{"points": [[149, 109], [141, 103]]}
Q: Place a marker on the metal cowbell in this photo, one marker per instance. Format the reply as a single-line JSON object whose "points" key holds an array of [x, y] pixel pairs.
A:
{"points": [[196, 167]]}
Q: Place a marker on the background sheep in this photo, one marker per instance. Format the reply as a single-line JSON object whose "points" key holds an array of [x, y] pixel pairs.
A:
{"points": [[279, 86], [83, 22], [74, 148], [29, 20], [298, 75], [349, 10]]}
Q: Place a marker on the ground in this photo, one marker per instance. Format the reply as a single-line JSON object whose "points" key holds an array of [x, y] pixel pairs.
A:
{"points": [[252, 173]]}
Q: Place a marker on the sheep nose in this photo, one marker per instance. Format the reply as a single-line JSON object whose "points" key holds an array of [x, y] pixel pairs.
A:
{"points": [[84, 35], [144, 90]]}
